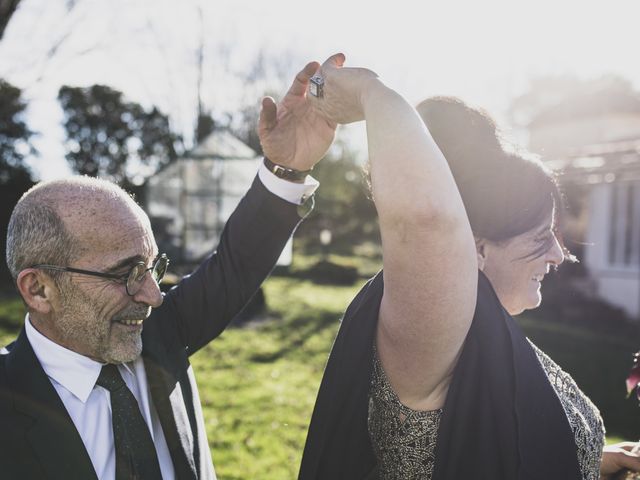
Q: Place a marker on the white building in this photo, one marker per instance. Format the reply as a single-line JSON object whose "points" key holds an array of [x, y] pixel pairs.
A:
{"points": [[190, 200], [597, 148]]}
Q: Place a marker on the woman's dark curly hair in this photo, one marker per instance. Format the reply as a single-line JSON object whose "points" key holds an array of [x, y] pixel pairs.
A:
{"points": [[505, 193]]}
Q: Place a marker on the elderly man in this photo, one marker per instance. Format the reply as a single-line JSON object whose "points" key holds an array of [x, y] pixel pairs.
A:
{"points": [[98, 383]]}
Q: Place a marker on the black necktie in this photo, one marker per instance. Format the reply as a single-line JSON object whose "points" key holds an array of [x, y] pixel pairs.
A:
{"points": [[135, 453]]}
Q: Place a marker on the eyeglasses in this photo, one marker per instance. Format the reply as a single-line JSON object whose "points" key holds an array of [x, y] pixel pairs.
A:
{"points": [[132, 280]]}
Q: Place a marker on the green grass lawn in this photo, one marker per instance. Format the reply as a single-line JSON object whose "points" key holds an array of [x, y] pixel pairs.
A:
{"points": [[12, 312], [258, 383]]}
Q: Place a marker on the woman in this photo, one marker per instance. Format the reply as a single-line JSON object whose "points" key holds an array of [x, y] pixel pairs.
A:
{"points": [[429, 377]]}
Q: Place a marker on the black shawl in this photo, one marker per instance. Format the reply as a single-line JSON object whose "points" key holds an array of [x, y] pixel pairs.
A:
{"points": [[502, 420]]}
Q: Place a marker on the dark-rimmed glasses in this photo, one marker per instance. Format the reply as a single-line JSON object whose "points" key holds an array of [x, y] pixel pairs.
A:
{"points": [[132, 280]]}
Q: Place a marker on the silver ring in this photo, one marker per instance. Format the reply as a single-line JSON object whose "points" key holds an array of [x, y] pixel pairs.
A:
{"points": [[316, 86]]}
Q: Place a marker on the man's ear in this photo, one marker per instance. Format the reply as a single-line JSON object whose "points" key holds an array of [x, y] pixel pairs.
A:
{"points": [[36, 290], [481, 251]]}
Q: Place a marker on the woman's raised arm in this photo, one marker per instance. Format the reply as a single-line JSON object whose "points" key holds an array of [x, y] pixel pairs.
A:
{"points": [[429, 256]]}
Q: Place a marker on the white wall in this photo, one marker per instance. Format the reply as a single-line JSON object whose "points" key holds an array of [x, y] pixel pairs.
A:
{"points": [[617, 284]]}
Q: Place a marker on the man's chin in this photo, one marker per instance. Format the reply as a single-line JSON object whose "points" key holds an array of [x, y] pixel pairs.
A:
{"points": [[122, 354]]}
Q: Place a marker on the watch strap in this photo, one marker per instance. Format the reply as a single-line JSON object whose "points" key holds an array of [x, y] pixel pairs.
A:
{"points": [[286, 173]]}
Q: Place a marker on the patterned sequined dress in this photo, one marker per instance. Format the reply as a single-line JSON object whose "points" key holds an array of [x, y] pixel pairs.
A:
{"points": [[404, 440]]}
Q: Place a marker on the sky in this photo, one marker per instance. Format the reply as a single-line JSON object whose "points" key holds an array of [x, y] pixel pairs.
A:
{"points": [[485, 51]]}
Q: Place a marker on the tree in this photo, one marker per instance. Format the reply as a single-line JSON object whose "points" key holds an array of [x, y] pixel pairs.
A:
{"points": [[344, 205], [15, 176], [110, 137], [205, 125], [269, 74]]}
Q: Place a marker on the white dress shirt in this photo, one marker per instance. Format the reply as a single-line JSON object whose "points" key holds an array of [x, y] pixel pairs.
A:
{"points": [[74, 376], [290, 191]]}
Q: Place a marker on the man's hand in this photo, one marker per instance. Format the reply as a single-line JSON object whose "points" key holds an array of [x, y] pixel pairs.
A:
{"points": [[618, 457], [293, 133]]}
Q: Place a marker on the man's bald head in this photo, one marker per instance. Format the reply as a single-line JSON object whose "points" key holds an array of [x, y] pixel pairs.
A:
{"points": [[53, 221]]}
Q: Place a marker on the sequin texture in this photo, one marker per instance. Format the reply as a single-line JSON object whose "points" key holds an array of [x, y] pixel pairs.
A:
{"points": [[404, 440]]}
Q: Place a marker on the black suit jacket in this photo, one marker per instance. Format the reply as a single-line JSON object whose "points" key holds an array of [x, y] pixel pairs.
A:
{"points": [[37, 437]]}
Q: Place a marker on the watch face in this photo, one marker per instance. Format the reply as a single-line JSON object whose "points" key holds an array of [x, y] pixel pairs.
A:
{"points": [[281, 172]]}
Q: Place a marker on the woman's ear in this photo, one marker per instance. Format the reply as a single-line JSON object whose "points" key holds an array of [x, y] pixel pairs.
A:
{"points": [[35, 289], [481, 251]]}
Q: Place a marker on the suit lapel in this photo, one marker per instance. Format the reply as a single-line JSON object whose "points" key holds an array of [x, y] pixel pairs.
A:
{"points": [[170, 405], [53, 436]]}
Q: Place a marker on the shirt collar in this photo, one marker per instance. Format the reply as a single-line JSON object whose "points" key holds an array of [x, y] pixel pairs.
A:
{"points": [[73, 371]]}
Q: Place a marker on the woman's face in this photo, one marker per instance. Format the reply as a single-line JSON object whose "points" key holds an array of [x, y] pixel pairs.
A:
{"points": [[514, 273]]}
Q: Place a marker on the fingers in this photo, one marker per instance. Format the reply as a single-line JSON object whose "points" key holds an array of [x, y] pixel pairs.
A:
{"points": [[619, 456], [628, 446], [268, 115], [299, 86], [630, 461], [335, 60]]}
